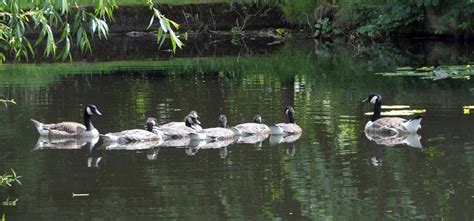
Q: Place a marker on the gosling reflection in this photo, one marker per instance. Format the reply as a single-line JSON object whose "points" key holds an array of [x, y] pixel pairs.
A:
{"points": [[276, 140], [152, 154], [141, 145], [255, 139], [289, 141], [410, 139], [176, 143], [194, 146]]}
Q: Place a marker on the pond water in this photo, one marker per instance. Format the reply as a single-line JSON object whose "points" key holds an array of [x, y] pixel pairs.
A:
{"points": [[332, 172]]}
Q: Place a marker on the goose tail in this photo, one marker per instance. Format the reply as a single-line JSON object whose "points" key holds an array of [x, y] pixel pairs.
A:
{"points": [[413, 124], [39, 127], [413, 140]]}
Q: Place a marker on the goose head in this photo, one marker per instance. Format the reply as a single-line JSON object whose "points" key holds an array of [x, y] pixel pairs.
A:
{"points": [[222, 121], [88, 112], [92, 110], [150, 124], [257, 119], [373, 98], [290, 112], [192, 119]]}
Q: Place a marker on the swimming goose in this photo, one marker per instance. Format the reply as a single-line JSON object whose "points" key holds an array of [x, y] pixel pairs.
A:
{"points": [[176, 130], [256, 127], [215, 133], [287, 128], [134, 135], [389, 125], [70, 129]]}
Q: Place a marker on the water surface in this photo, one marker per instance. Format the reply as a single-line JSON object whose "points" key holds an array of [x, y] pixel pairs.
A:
{"points": [[326, 174]]}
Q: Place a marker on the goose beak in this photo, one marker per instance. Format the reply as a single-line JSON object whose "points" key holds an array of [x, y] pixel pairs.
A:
{"points": [[97, 112], [365, 100], [196, 120]]}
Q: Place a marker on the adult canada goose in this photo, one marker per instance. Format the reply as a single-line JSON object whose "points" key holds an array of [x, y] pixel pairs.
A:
{"points": [[70, 129], [176, 130], [256, 127], [134, 135], [215, 133], [287, 128], [388, 125]]}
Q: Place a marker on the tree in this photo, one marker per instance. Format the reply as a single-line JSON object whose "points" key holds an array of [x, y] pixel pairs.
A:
{"points": [[63, 24]]}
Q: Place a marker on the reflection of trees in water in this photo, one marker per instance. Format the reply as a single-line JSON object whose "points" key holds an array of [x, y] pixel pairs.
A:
{"points": [[329, 174]]}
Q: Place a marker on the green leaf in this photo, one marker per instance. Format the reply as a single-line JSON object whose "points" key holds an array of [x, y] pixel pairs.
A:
{"points": [[151, 22], [163, 25]]}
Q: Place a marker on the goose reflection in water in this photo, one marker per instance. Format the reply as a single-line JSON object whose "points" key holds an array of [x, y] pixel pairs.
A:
{"points": [[87, 144], [50, 143], [410, 139], [377, 159]]}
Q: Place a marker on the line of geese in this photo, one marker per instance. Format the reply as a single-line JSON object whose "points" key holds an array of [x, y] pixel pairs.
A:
{"points": [[170, 134], [190, 128]]}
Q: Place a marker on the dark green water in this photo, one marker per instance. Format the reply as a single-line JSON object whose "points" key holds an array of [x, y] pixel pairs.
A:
{"points": [[326, 175]]}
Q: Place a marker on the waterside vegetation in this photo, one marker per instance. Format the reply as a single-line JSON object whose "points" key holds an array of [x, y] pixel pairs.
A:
{"points": [[63, 26]]}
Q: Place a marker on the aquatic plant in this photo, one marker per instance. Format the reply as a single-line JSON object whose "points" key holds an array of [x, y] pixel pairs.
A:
{"points": [[9, 179], [438, 73]]}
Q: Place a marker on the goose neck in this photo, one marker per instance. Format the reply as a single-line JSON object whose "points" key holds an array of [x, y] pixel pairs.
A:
{"points": [[377, 110]]}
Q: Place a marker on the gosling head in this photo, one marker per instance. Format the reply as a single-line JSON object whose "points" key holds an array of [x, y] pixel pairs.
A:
{"points": [[223, 121], [257, 119]]}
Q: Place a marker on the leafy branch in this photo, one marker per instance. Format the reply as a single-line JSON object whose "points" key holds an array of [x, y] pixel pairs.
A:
{"points": [[164, 28], [75, 26]]}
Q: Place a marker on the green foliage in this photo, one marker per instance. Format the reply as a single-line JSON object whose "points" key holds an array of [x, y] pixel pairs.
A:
{"points": [[9, 179], [459, 16], [45, 16], [382, 21], [324, 28], [75, 26], [164, 27]]}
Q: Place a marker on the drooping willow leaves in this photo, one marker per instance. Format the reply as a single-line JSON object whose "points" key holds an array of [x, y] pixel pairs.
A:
{"points": [[60, 25]]}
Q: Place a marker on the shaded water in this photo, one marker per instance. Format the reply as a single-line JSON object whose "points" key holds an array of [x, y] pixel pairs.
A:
{"points": [[326, 174]]}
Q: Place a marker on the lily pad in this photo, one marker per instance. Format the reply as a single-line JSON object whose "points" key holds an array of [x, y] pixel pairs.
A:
{"points": [[438, 73]]}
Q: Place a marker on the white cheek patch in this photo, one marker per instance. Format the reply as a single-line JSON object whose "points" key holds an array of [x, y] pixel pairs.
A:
{"points": [[89, 111], [287, 111], [374, 99]]}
